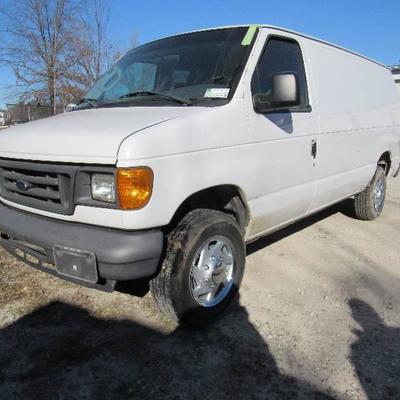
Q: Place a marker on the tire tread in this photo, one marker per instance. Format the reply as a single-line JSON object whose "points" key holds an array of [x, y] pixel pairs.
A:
{"points": [[160, 286], [363, 202]]}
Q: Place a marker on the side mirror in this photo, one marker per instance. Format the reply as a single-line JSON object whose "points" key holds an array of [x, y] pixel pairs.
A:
{"points": [[283, 94]]}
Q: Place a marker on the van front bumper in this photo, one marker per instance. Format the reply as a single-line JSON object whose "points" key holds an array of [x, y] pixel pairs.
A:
{"points": [[86, 254]]}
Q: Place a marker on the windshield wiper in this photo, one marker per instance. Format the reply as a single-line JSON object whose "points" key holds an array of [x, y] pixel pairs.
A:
{"points": [[87, 100], [186, 102], [218, 78]]}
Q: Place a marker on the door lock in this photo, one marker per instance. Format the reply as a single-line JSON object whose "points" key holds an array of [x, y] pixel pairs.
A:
{"points": [[314, 149]]}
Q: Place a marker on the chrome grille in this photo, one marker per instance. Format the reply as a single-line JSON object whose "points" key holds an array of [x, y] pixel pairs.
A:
{"points": [[44, 186]]}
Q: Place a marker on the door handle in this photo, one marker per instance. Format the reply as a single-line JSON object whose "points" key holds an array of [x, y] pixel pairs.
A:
{"points": [[314, 149]]}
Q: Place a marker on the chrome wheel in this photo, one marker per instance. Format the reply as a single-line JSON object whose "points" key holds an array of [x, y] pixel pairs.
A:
{"points": [[379, 195], [211, 275]]}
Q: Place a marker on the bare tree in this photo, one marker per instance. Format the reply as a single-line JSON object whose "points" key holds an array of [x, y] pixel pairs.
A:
{"points": [[96, 52], [56, 48], [36, 43]]}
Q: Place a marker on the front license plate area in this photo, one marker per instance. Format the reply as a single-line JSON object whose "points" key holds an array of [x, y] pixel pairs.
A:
{"points": [[77, 264]]}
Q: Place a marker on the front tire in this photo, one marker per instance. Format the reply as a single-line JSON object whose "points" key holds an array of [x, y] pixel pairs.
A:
{"points": [[368, 204], [202, 269]]}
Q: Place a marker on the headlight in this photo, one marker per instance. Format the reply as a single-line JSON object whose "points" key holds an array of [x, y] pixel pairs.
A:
{"points": [[135, 186], [103, 188]]}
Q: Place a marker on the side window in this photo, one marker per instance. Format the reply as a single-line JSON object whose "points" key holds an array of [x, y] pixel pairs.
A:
{"points": [[280, 55]]}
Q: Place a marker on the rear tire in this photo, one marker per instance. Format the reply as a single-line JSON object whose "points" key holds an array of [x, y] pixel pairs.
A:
{"points": [[202, 269], [368, 204]]}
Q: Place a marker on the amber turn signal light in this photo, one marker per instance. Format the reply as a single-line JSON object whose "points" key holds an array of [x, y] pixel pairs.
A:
{"points": [[134, 186]]}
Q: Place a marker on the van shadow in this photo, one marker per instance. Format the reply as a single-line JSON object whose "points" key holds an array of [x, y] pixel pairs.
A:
{"points": [[62, 352], [345, 207], [376, 353]]}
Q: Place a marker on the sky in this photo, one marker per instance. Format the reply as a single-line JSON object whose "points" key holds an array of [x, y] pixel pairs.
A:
{"points": [[370, 27]]}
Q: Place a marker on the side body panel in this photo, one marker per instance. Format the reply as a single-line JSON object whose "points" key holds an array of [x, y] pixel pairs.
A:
{"points": [[355, 100]]}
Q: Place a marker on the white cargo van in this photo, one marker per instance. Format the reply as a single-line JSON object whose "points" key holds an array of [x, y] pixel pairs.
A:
{"points": [[189, 147]]}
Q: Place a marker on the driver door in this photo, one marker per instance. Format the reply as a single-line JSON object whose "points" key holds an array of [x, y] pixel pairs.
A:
{"points": [[287, 141]]}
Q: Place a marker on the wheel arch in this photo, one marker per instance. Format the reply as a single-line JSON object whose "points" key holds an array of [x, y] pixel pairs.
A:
{"points": [[385, 161], [226, 198]]}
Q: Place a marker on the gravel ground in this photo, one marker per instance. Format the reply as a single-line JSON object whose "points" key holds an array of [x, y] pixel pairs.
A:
{"points": [[318, 318]]}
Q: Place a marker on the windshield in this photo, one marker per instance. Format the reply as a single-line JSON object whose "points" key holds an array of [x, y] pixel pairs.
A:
{"points": [[201, 68]]}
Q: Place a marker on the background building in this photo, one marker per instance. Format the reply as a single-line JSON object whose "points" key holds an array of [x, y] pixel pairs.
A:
{"points": [[396, 73], [20, 113]]}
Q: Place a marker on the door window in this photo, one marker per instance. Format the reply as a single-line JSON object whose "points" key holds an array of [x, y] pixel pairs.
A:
{"points": [[279, 56]]}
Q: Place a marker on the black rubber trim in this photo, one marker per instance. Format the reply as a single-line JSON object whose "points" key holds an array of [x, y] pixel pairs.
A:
{"points": [[121, 255]]}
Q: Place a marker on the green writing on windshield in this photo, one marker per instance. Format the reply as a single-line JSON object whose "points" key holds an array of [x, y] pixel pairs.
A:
{"points": [[249, 35]]}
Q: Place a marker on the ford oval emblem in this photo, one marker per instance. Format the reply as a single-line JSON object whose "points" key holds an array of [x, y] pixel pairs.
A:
{"points": [[22, 185]]}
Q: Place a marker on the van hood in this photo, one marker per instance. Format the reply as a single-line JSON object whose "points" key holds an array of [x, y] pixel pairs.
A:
{"points": [[86, 136]]}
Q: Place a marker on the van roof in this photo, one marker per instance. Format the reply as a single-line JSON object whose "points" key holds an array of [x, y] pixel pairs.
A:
{"points": [[294, 33]]}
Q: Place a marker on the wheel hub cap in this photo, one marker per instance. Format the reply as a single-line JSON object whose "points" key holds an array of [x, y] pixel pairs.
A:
{"points": [[212, 272], [379, 192]]}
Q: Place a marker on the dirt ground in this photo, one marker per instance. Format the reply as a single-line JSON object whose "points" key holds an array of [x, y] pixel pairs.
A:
{"points": [[318, 318]]}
